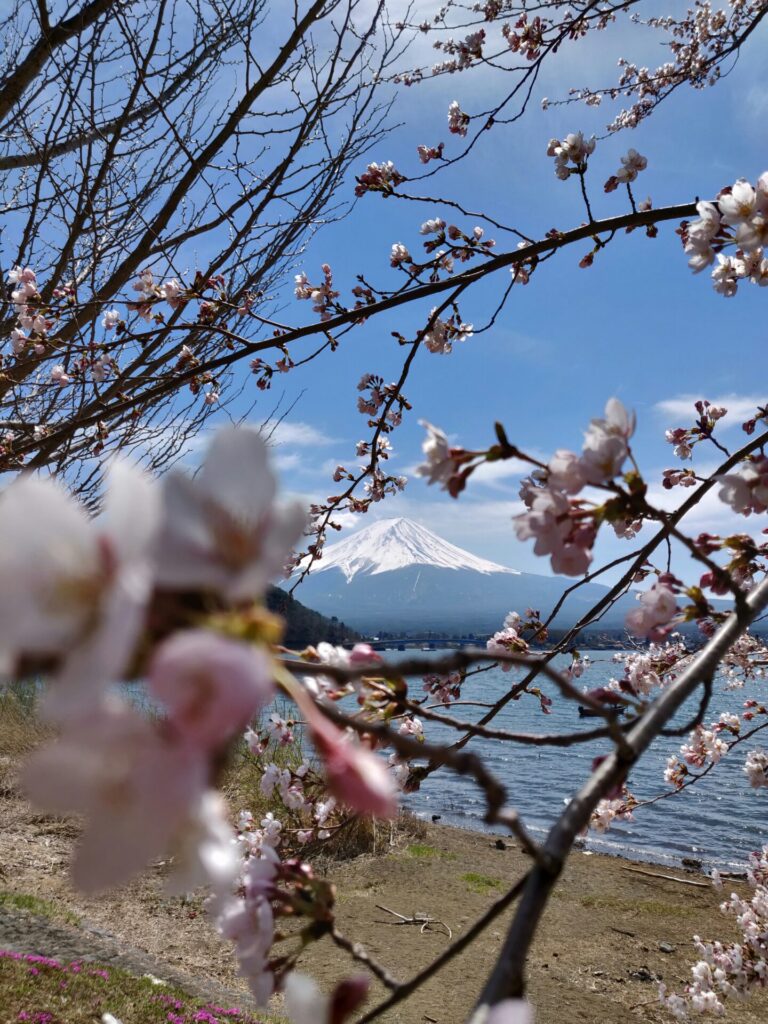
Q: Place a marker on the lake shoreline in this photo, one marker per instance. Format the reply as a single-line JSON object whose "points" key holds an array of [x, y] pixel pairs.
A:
{"points": [[611, 932]]}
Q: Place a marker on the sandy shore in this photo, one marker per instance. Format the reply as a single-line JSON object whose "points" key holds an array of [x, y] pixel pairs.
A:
{"points": [[608, 936]]}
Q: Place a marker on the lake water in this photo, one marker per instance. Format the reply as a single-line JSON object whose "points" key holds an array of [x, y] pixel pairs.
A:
{"points": [[718, 820]]}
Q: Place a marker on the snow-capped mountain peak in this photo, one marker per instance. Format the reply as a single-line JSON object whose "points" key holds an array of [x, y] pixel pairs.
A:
{"points": [[391, 544]]}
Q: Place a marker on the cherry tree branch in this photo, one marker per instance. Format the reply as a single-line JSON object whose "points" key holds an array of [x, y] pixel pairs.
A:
{"points": [[507, 978]]}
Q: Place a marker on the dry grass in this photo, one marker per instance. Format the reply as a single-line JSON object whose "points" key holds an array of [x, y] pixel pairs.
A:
{"points": [[21, 729]]}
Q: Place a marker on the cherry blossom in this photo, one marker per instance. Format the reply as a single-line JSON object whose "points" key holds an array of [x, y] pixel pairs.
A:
{"points": [[248, 922], [306, 1004], [26, 284], [631, 165], [565, 472], [72, 587], [222, 530], [746, 490], [135, 786], [605, 442], [382, 177], [458, 121], [440, 463], [508, 1011], [354, 775], [699, 235], [399, 255], [206, 851], [756, 768], [571, 154], [432, 227], [210, 686], [428, 153], [658, 607]]}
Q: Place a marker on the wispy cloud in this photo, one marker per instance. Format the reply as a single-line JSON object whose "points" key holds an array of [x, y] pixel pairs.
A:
{"points": [[740, 408], [302, 435]]}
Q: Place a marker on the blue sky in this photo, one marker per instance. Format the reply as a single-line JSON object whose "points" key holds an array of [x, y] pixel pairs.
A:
{"points": [[637, 324]]}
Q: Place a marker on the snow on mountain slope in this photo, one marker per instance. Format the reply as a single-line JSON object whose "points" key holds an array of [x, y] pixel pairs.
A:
{"points": [[396, 543]]}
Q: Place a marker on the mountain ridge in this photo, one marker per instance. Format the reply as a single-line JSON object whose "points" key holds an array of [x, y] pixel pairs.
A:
{"points": [[391, 544], [396, 575]]}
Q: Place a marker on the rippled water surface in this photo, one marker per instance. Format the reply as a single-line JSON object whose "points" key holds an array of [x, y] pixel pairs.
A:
{"points": [[719, 820]]}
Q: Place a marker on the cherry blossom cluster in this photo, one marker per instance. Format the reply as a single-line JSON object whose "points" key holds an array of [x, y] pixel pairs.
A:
{"points": [[631, 165], [699, 42], [32, 325], [745, 557], [746, 490], [571, 155], [36, 321], [730, 970], [463, 52], [79, 596], [442, 333], [610, 809], [429, 153], [462, 245], [708, 744], [375, 394], [383, 178], [323, 296], [458, 120], [685, 439], [443, 460], [657, 610], [445, 689], [756, 768], [738, 218], [525, 36], [648, 670], [508, 639], [150, 292], [746, 660], [560, 525]]}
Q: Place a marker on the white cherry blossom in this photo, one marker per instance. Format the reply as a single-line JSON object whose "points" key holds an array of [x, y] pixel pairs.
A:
{"points": [[222, 529]]}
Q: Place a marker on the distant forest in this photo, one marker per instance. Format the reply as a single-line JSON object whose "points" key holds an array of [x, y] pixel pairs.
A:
{"points": [[305, 626]]}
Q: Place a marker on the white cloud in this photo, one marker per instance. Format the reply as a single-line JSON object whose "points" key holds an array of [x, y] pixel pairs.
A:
{"points": [[303, 435], [285, 461], [740, 408]]}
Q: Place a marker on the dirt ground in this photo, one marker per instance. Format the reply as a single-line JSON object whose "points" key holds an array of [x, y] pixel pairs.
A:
{"points": [[608, 936]]}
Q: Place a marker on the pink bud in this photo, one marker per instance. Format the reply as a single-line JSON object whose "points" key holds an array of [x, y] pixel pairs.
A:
{"points": [[354, 775], [211, 686]]}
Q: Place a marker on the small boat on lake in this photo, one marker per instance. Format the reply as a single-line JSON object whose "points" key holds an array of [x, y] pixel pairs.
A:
{"points": [[615, 709]]}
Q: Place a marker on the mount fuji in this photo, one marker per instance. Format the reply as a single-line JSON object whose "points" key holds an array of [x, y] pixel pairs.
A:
{"points": [[398, 576]]}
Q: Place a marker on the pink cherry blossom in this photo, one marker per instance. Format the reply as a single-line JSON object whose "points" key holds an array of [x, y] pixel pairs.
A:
{"points": [[657, 607], [605, 443], [566, 472], [440, 464], [746, 490], [631, 165], [354, 775], [135, 787], [210, 686], [458, 121], [306, 1004]]}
